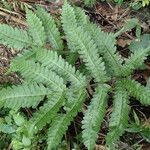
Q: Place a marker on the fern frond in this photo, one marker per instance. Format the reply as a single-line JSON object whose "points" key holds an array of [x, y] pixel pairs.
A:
{"points": [[135, 61], [68, 18], [34, 72], [60, 123], [137, 90], [85, 46], [81, 18], [69, 23], [94, 116], [35, 28], [119, 116], [25, 95], [46, 112], [52, 33], [58, 128], [106, 47], [88, 52], [61, 67], [14, 37]]}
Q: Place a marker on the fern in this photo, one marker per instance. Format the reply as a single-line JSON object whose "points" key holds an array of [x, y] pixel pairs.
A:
{"points": [[57, 89], [52, 33], [94, 116], [35, 28], [34, 72], [81, 18], [82, 42], [135, 61], [105, 45], [107, 48], [24, 55], [26, 95], [61, 123], [119, 116], [69, 14], [13, 37], [137, 90], [61, 67], [46, 112]]}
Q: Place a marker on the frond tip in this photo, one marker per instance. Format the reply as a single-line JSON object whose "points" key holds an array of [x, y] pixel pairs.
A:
{"points": [[35, 28], [25, 95], [51, 31], [119, 116], [94, 116], [14, 37], [136, 90]]}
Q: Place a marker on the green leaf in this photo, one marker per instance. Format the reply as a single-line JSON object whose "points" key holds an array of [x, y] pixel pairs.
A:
{"points": [[119, 117], [35, 72], [136, 90], [61, 122], [46, 113], [94, 116], [148, 85], [57, 64], [106, 47], [35, 28], [25, 95], [26, 141], [89, 2], [14, 37], [19, 120], [81, 18], [135, 61], [69, 22], [84, 44], [137, 121], [52, 33], [130, 24]]}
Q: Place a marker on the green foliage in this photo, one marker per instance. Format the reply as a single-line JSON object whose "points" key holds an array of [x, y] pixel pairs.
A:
{"points": [[25, 95], [56, 89], [136, 90], [46, 112], [92, 118], [106, 48], [51, 31], [60, 123], [14, 37], [81, 41], [36, 29], [119, 116]]}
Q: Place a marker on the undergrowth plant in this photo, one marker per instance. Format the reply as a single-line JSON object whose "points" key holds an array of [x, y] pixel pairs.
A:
{"points": [[55, 89]]}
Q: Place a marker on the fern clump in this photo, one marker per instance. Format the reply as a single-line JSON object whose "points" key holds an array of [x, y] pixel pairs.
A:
{"points": [[57, 89]]}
